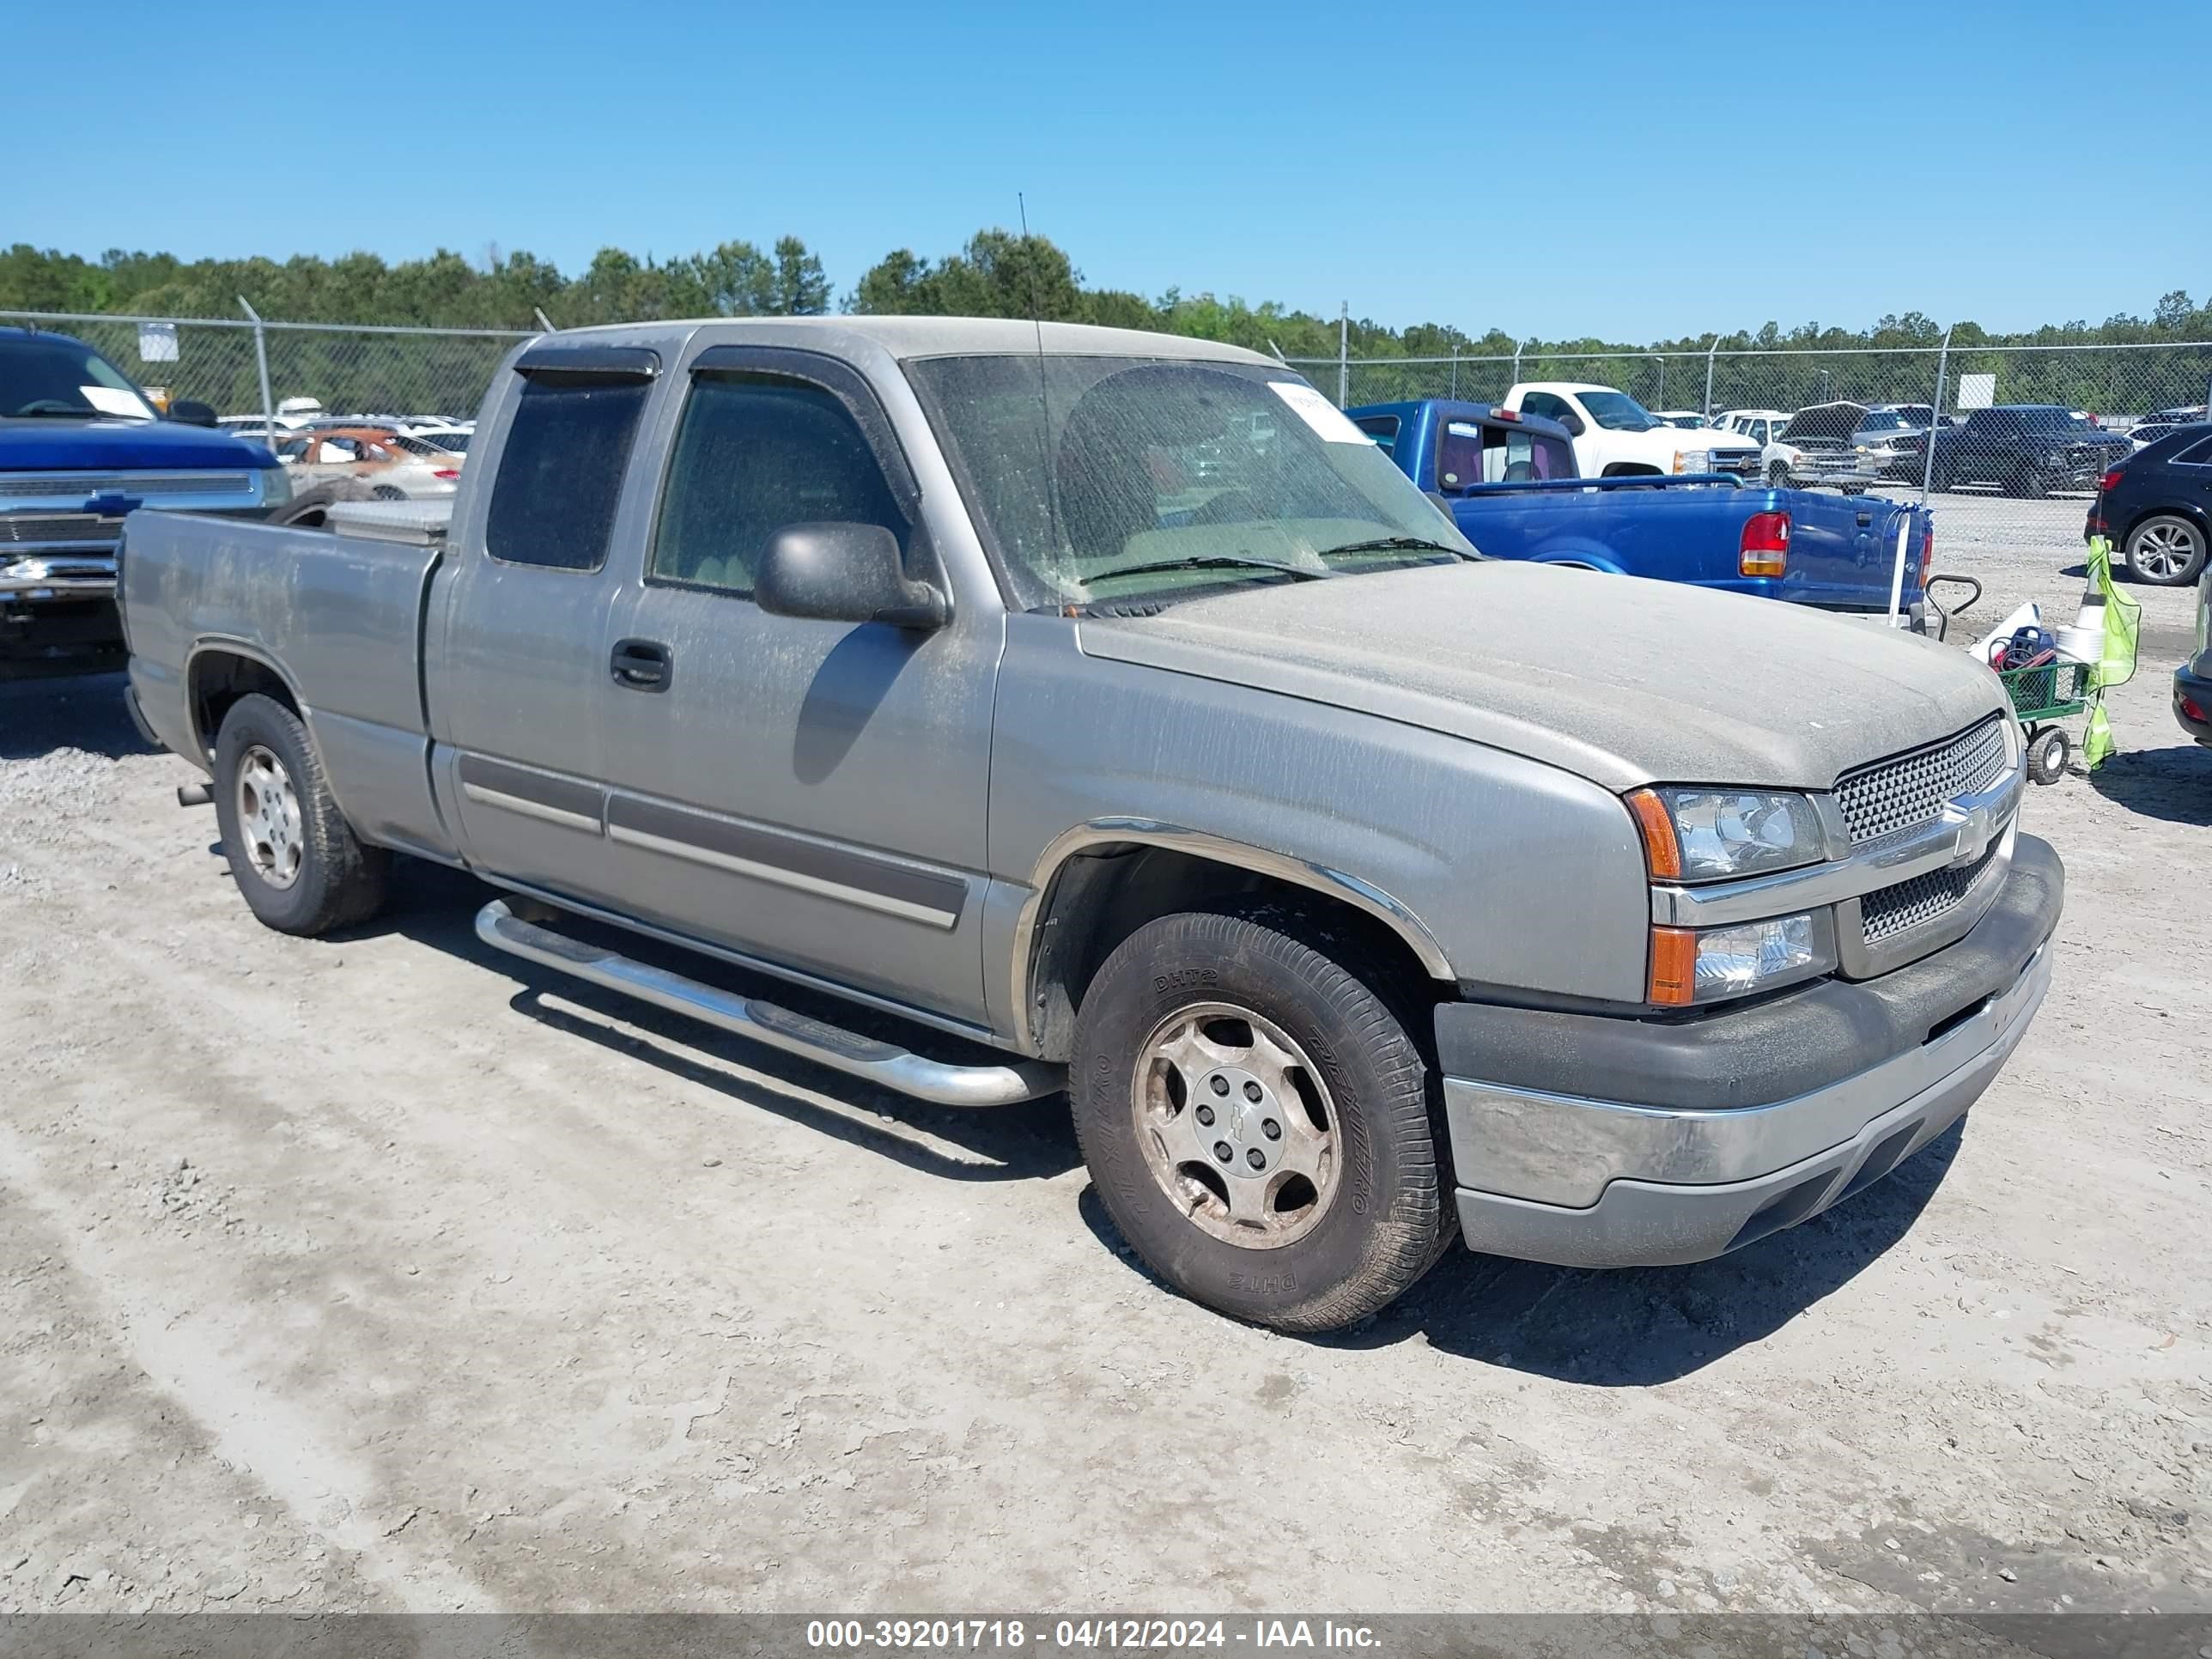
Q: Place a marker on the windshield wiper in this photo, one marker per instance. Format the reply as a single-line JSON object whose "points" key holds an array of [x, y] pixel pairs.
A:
{"points": [[1207, 562], [1391, 545]]}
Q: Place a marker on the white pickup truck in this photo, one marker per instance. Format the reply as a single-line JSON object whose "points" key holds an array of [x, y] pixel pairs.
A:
{"points": [[1615, 436]]}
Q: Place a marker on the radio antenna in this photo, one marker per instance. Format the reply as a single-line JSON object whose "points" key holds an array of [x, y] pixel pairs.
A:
{"points": [[1044, 400]]}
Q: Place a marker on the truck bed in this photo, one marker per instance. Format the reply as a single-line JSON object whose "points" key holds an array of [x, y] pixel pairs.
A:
{"points": [[339, 618], [1841, 549]]}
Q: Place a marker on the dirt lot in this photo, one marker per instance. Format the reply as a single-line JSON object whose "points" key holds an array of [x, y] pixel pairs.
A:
{"points": [[386, 1274]]}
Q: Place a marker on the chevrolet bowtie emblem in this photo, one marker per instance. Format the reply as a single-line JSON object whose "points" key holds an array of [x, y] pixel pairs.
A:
{"points": [[1975, 828]]}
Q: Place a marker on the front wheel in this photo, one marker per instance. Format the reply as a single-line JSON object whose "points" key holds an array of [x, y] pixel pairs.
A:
{"points": [[1257, 1118], [1777, 475], [298, 864]]}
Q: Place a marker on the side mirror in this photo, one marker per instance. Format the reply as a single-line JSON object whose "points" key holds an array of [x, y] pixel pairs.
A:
{"points": [[836, 572], [1573, 423], [192, 414]]}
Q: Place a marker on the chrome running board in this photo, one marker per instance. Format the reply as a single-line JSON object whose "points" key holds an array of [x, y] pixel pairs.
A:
{"points": [[757, 1021]]}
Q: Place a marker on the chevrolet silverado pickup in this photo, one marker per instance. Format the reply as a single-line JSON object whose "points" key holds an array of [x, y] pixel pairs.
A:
{"points": [[80, 447], [1509, 481], [1070, 709]]}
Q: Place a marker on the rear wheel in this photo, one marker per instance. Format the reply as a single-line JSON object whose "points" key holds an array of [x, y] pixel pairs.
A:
{"points": [[1256, 1117], [2167, 550], [298, 864]]}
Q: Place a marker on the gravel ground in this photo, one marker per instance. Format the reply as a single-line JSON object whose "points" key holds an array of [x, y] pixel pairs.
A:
{"points": [[386, 1274]]}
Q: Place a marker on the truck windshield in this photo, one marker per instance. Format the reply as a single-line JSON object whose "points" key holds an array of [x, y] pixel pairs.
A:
{"points": [[1616, 412], [1115, 478], [43, 377]]}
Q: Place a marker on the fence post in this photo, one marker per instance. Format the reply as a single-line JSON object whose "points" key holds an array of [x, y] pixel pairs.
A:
{"points": [[261, 361], [1516, 362], [1344, 356], [1935, 420], [1454, 385], [544, 321], [1711, 346]]}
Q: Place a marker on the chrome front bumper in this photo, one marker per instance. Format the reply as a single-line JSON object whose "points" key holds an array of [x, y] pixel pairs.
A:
{"points": [[1600, 1182], [36, 576]]}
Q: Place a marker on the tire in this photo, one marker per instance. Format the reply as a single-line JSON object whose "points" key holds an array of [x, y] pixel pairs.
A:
{"points": [[1854, 489], [1777, 475], [2027, 484], [2047, 755], [1238, 996], [296, 860], [310, 509], [2167, 551]]}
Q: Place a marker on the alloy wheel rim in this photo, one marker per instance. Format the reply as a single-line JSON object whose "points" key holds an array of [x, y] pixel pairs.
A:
{"points": [[269, 818], [1237, 1125], [2165, 550]]}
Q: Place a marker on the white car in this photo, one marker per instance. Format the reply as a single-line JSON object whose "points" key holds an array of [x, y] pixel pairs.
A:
{"points": [[1688, 419], [1615, 436]]}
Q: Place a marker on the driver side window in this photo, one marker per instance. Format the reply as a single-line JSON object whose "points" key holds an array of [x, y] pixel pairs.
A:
{"points": [[755, 454]]}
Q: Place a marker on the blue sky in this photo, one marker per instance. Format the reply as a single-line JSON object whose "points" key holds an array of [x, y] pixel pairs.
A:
{"points": [[1549, 170]]}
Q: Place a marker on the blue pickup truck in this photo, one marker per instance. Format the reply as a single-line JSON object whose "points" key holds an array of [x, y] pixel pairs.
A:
{"points": [[80, 447], [1508, 480]]}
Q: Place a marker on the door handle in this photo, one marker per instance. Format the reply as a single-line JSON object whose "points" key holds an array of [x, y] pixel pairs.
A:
{"points": [[641, 665]]}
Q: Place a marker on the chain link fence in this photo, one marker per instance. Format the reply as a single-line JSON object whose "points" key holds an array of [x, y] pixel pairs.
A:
{"points": [[348, 370]]}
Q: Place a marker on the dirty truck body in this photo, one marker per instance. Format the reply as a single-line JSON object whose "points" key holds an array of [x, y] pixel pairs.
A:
{"points": [[1354, 888]]}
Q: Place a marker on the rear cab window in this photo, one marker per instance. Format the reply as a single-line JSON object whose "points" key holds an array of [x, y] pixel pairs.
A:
{"points": [[1471, 452], [562, 463]]}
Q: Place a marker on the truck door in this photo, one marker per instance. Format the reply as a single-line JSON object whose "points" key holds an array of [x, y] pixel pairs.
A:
{"points": [[811, 792], [515, 655]]}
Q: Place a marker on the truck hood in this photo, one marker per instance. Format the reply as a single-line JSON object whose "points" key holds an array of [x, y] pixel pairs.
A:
{"points": [[1825, 423], [106, 445], [1622, 681]]}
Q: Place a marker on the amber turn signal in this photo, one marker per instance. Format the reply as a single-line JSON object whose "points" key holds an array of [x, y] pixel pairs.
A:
{"points": [[1661, 850], [1674, 967]]}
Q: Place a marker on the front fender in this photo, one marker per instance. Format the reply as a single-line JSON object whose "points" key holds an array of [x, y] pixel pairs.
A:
{"points": [[1497, 869]]}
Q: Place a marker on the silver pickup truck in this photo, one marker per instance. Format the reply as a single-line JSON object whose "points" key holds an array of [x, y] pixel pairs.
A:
{"points": [[1107, 709]]}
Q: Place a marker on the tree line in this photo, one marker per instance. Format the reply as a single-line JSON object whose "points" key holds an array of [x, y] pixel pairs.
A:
{"points": [[998, 273]]}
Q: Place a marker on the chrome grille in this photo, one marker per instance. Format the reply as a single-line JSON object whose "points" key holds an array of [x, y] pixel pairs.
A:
{"points": [[1911, 790], [1741, 462], [129, 483], [1890, 911]]}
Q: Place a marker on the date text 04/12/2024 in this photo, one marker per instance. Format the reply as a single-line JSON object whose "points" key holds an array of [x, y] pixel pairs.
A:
{"points": [[853, 1635]]}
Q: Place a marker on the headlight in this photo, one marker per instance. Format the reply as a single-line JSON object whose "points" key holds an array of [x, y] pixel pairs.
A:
{"points": [[1692, 966], [1692, 461], [275, 486], [1706, 835]]}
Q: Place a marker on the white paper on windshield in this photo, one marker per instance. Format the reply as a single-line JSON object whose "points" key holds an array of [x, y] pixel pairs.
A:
{"points": [[1318, 412], [112, 400]]}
